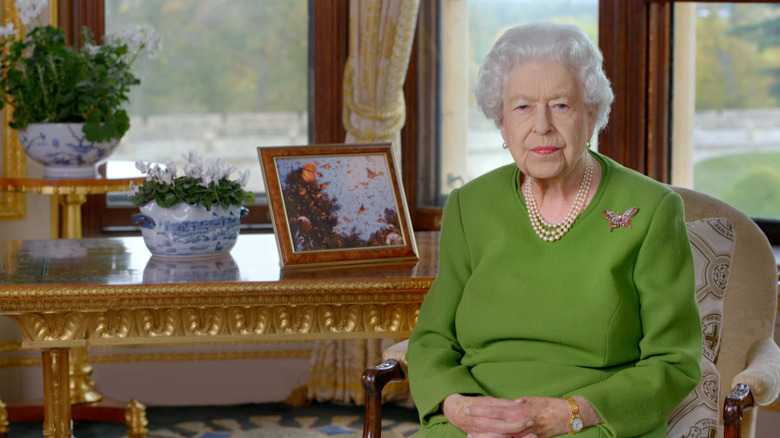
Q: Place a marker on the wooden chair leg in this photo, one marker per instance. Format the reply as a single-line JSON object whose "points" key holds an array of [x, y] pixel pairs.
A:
{"points": [[740, 400], [374, 380]]}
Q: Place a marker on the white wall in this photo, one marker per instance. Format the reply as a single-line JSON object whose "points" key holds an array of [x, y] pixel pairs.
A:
{"points": [[202, 383], [172, 380]]}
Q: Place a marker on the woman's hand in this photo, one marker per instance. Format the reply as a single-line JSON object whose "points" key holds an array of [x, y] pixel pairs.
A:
{"points": [[478, 416], [527, 417]]}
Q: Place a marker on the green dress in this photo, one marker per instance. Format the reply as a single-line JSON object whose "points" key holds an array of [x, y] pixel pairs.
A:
{"points": [[607, 315]]}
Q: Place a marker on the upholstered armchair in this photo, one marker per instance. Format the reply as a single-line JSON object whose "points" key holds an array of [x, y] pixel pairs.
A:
{"points": [[736, 275]]}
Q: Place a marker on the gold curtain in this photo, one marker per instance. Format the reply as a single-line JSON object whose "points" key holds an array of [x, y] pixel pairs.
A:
{"points": [[337, 366], [380, 42]]}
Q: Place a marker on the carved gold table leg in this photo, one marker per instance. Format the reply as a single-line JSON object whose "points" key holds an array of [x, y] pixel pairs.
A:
{"points": [[82, 387], [3, 420], [135, 420], [71, 215], [56, 394]]}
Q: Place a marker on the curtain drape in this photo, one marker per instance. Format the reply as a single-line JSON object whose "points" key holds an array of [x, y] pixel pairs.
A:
{"points": [[380, 42]]}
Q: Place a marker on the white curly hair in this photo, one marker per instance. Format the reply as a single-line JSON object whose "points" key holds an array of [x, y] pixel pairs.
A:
{"points": [[566, 44]]}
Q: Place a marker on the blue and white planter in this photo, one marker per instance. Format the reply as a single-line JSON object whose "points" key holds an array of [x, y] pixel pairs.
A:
{"points": [[186, 230], [64, 150]]}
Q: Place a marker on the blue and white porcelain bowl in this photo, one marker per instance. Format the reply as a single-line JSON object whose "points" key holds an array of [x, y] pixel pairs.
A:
{"points": [[64, 150], [186, 230]]}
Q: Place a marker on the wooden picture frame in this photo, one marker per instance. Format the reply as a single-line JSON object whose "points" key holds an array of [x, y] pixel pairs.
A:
{"points": [[337, 204]]}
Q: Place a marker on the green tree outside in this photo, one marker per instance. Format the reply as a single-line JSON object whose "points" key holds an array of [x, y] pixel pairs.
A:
{"points": [[238, 56], [731, 67], [737, 65]]}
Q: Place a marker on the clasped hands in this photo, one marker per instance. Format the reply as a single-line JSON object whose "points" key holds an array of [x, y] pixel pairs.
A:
{"points": [[526, 417]]}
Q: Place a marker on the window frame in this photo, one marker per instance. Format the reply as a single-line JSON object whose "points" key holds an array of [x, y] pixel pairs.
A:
{"points": [[636, 42], [636, 37], [638, 61], [328, 30]]}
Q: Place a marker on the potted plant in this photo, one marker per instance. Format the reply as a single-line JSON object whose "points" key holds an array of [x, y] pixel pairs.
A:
{"points": [[190, 215], [78, 92]]}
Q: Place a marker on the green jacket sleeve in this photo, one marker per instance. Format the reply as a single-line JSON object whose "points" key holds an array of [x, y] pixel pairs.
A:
{"points": [[637, 399], [434, 354]]}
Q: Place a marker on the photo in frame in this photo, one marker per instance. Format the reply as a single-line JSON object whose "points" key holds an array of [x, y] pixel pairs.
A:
{"points": [[339, 204]]}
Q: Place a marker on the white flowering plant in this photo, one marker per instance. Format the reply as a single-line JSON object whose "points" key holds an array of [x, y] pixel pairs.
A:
{"points": [[47, 81], [206, 184]]}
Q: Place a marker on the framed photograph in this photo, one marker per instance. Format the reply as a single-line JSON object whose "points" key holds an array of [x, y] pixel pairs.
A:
{"points": [[337, 204]]}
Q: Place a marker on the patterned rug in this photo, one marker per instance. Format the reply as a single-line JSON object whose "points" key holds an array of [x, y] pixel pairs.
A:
{"points": [[268, 420]]}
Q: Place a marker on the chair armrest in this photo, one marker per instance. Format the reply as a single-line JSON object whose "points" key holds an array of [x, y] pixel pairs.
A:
{"points": [[762, 374], [375, 378], [373, 381], [397, 351], [734, 406]]}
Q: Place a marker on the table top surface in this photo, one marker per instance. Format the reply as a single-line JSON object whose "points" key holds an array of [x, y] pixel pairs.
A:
{"points": [[38, 265], [67, 293], [67, 186]]}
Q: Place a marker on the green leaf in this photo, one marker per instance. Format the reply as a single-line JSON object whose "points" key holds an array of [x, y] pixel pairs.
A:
{"points": [[47, 81]]}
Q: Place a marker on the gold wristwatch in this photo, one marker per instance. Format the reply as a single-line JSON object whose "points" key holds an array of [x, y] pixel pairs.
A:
{"points": [[576, 421]]}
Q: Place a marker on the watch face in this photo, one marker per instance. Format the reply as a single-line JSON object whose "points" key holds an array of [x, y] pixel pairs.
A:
{"points": [[576, 424]]}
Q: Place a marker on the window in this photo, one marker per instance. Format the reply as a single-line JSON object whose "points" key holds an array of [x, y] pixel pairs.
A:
{"points": [[732, 132], [470, 145], [637, 40], [727, 104], [304, 57], [458, 144], [232, 76], [634, 35]]}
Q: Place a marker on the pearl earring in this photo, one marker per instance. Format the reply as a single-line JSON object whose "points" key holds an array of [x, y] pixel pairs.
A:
{"points": [[587, 144], [504, 146]]}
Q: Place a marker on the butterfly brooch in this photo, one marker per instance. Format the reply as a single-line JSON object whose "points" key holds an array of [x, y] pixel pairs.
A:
{"points": [[617, 220]]}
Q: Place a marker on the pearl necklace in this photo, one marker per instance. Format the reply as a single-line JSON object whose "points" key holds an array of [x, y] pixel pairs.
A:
{"points": [[552, 232]]}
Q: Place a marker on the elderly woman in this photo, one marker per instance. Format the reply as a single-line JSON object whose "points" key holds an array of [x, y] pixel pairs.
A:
{"points": [[565, 296]]}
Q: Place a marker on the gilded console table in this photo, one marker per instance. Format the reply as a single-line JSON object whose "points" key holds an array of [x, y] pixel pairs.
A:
{"points": [[79, 293], [70, 194]]}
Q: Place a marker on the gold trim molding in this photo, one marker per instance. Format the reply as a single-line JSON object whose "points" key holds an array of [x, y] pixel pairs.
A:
{"points": [[12, 345], [63, 297], [64, 316], [200, 357], [220, 343], [20, 362], [170, 357], [15, 346], [148, 325], [12, 205]]}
